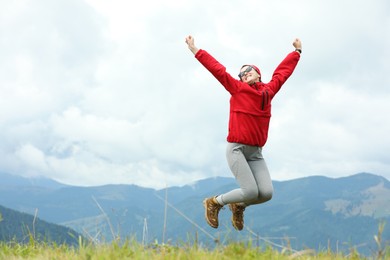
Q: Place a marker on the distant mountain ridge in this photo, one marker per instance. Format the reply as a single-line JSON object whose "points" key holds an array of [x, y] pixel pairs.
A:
{"points": [[314, 211], [10, 180]]}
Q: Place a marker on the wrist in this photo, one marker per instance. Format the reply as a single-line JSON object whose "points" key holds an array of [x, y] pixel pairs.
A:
{"points": [[298, 50], [193, 49]]}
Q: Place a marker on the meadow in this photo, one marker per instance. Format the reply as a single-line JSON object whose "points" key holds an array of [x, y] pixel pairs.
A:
{"points": [[135, 250], [132, 249]]}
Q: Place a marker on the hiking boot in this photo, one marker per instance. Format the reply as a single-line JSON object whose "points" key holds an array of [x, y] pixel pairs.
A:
{"points": [[212, 208], [237, 216]]}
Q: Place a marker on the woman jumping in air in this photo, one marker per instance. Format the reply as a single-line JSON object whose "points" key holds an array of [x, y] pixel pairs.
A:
{"points": [[250, 113]]}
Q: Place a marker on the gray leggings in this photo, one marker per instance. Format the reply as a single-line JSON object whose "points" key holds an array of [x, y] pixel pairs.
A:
{"points": [[250, 170]]}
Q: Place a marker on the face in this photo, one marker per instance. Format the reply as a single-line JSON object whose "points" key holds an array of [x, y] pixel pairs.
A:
{"points": [[249, 75]]}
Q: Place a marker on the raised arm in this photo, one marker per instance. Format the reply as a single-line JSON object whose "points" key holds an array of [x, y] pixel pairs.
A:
{"points": [[213, 66], [286, 67]]}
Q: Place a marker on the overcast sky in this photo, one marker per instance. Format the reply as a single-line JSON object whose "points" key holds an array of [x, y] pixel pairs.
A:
{"points": [[96, 92]]}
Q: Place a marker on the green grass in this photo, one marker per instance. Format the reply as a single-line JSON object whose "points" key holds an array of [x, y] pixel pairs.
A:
{"points": [[134, 250], [131, 249]]}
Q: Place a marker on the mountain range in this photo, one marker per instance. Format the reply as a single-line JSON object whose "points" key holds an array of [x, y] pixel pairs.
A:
{"points": [[313, 212]]}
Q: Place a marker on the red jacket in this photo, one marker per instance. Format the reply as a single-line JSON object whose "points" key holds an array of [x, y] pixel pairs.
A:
{"points": [[250, 105]]}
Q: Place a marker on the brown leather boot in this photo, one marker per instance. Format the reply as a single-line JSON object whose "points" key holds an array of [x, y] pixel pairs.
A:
{"points": [[237, 216], [212, 208]]}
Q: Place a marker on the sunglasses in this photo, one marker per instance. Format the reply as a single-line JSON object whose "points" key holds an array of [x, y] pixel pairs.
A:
{"points": [[242, 73]]}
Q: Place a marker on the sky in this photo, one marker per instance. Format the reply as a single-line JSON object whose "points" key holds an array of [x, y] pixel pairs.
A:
{"points": [[96, 92]]}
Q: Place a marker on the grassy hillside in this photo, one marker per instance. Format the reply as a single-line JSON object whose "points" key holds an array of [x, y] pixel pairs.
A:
{"points": [[134, 250], [23, 228]]}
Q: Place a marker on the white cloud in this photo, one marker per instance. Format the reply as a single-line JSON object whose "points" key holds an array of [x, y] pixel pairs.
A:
{"points": [[32, 157], [96, 92]]}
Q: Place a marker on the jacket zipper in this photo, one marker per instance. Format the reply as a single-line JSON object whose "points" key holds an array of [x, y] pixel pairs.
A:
{"points": [[264, 99]]}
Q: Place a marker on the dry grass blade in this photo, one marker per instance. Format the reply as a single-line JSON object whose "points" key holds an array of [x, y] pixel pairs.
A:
{"points": [[302, 253]]}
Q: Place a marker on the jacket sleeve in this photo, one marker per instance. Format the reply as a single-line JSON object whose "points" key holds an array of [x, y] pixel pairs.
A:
{"points": [[284, 71], [218, 71]]}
